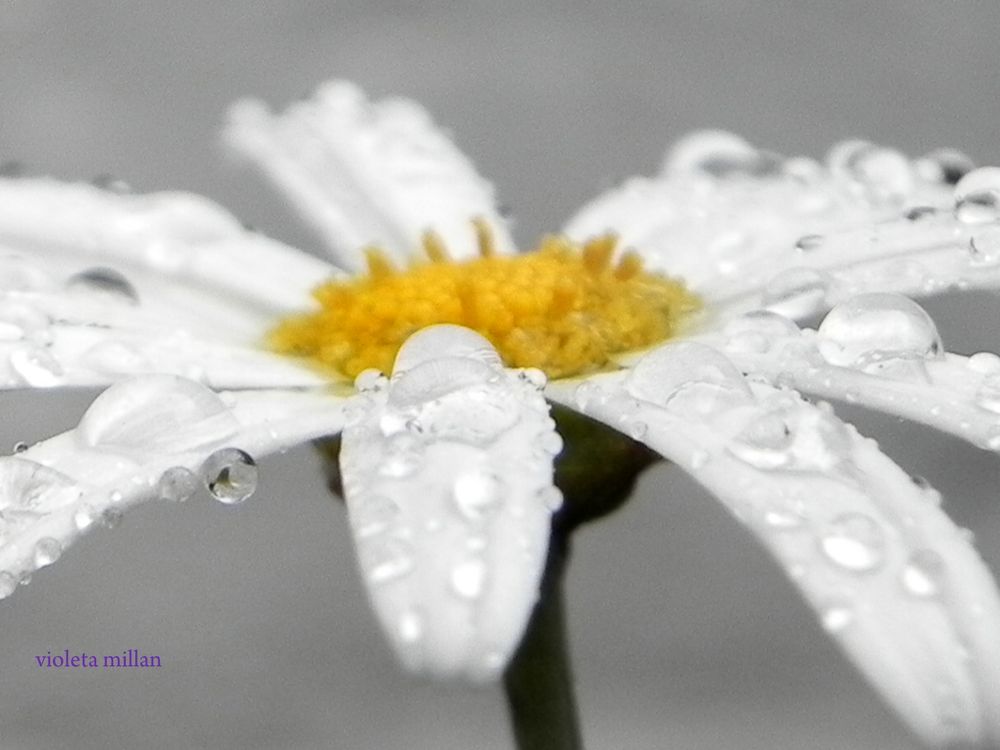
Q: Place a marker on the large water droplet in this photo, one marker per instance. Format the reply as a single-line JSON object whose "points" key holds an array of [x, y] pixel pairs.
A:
{"points": [[796, 292], [451, 341], [47, 551], [884, 173], [468, 578], [35, 367], [230, 475], [156, 412], [177, 484], [691, 379], [720, 154], [765, 443], [104, 281], [945, 165], [854, 542], [977, 196], [478, 415], [923, 574], [758, 331], [477, 494], [880, 327], [437, 378]]}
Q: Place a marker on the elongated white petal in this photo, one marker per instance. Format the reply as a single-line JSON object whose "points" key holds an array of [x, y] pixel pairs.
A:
{"points": [[749, 229], [447, 473], [893, 581], [881, 351], [153, 437], [183, 255], [367, 173]]}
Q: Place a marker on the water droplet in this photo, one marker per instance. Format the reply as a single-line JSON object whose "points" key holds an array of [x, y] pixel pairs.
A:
{"points": [[984, 246], [637, 430], [104, 281], [945, 165], [690, 379], [883, 173], [714, 152], [796, 292], [923, 574], [586, 393], [230, 475], [177, 484], [20, 447], [984, 362], [784, 517], [410, 627], [477, 494], [887, 325], [765, 443], [809, 242], [436, 379], [8, 584], [836, 618], [854, 542], [370, 381], [977, 196], [387, 560], [35, 367], [47, 551], [551, 498], [468, 578], [477, 415], [758, 331], [84, 517], [919, 213], [550, 443], [533, 377], [156, 412], [445, 341]]}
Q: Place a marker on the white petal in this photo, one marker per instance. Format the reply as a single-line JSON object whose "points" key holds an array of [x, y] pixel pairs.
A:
{"points": [[749, 229], [142, 439], [184, 255], [447, 473], [893, 581], [368, 173], [878, 351]]}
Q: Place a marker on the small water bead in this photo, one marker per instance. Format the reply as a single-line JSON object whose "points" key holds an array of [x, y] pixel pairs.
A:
{"points": [[637, 430], [20, 447], [230, 475], [551, 498], [35, 367], [884, 173], [690, 379], [177, 484], [923, 574], [388, 561], [714, 152], [854, 542], [945, 165], [550, 443], [977, 196], [468, 578], [104, 281], [988, 394], [984, 246], [796, 292], [533, 377], [370, 381], [587, 393], [759, 330], [8, 584], [477, 494], [836, 617], [809, 242], [890, 325], [765, 443], [84, 517], [984, 362], [47, 551], [410, 627]]}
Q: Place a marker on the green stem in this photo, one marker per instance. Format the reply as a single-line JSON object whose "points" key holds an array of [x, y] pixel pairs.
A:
{"points": [[539, 681]]}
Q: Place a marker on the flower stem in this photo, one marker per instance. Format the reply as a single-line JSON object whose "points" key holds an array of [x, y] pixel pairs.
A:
{"points": [[538, 680]]}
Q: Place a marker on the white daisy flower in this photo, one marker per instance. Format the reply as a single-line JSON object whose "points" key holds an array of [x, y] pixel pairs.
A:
{"points": [[665, 310]]}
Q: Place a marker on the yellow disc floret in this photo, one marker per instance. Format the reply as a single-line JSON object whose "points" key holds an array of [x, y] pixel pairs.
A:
{"points": [[564, 308]]}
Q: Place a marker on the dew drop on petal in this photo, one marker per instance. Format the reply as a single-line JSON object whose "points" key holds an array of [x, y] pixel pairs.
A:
{"points": [[884, 173], [984, 362], [877, 326], [84, 517], [551, 498], [35, 367], [714, 152], [945, 165], [690, 379], [796, 292], [919, 213], [984, 246], [923, 574], [854, 542], [586, 393], [8, 584], [104, 281], [20, 447], [977, 196], [468, 578], [758, 331], [477, 415], [836, 617], [230, 475], [177, 484], [765, 443], [477, 494], [370, 381], [410, 627], [388, 561], [47, 551], [437, 378], [445, 341]]}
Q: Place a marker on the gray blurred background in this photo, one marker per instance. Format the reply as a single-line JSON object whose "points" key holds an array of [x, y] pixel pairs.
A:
{"points": [[686, 635]]}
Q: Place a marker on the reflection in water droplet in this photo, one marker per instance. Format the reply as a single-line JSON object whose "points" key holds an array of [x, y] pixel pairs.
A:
{"points": [[230, 475], [177, 484], [35, 367], [104, 281], [923, 574], [796, 292], [468, 578], [878, 327], [854, 542], [47, 551], [477, 494]]}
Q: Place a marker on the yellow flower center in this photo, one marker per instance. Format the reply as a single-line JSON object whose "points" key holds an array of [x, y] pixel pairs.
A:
{"points": [[564, 308]]}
